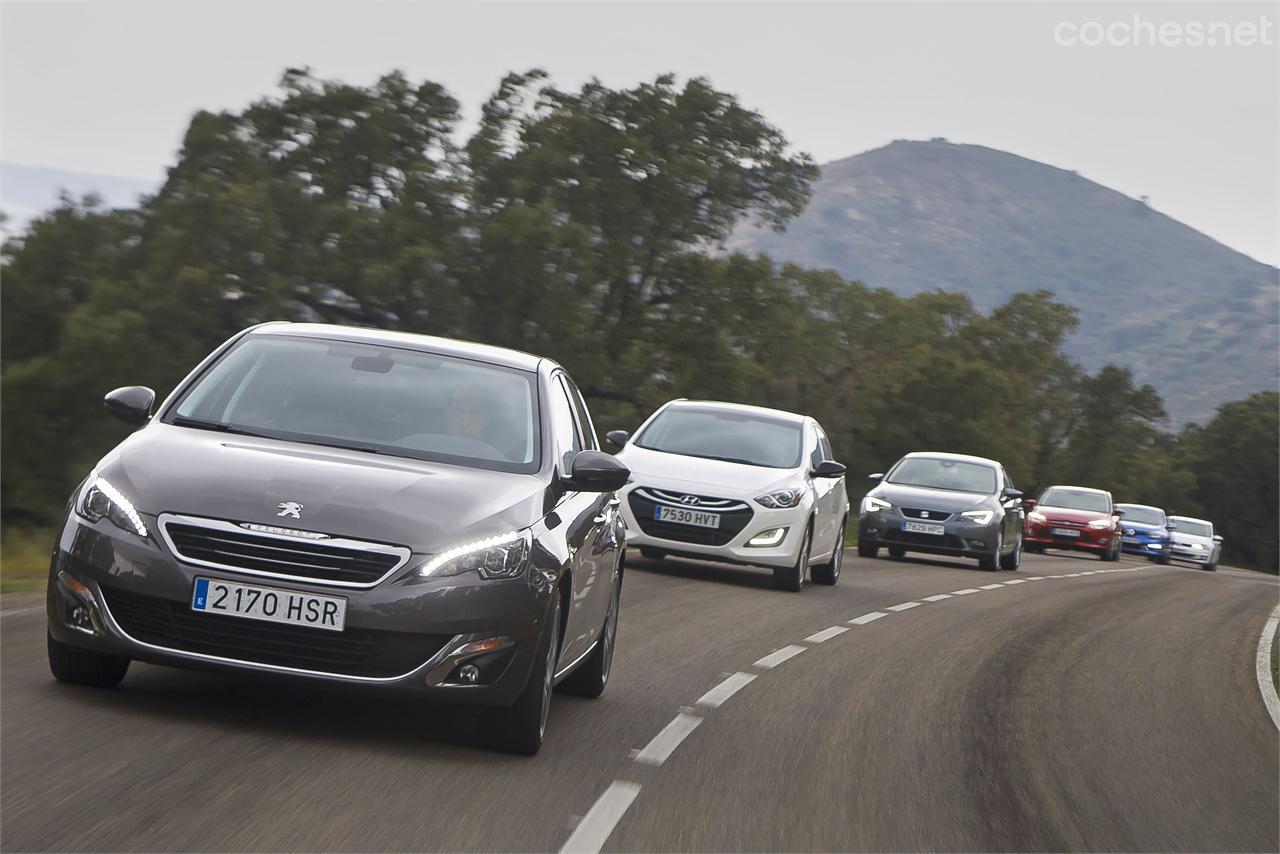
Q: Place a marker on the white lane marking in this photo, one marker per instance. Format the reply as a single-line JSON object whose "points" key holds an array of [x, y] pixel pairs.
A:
{"points": [[1265, 684], [1071, 575], [1036, 578], [937, 598], [732, 684], [20, 611], [665, 742], [827, 634], [904, 606], [594, 829], [1015, 581], [773, 659], [965, 592], [991, 586], [868, 618]]}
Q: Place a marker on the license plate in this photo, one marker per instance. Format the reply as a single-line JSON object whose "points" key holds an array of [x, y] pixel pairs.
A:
{"points": [[924, 528], [680, 516], [269, 604], [1065, 532]]}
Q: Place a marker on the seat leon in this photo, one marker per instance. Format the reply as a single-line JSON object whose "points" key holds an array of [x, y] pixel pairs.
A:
{"points": [[736, 483], [354, 506], [944, 504]]}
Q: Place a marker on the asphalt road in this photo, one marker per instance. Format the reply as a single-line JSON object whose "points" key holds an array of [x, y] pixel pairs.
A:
{"points": [[1111, 711]]}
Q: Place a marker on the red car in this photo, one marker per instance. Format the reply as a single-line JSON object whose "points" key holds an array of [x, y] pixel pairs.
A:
{"points": [[1073, 517]]}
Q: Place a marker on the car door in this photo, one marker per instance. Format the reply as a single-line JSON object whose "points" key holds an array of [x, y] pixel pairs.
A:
{"points": [[829, 493], [581, 514]]}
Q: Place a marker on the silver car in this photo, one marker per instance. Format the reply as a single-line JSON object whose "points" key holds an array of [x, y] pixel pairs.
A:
{"points": [[1194, 541]]}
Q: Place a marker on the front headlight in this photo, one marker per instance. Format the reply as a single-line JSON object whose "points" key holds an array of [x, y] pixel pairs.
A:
{"points": [[102, 499], [978, 517], [871, 504], [1036, 516], [1198, 546], [1099, 524], [503, 556], [780, 499]]}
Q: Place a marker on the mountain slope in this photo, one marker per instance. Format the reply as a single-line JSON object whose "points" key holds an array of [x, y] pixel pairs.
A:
{"points": [[28, 191], [1190, 316]]}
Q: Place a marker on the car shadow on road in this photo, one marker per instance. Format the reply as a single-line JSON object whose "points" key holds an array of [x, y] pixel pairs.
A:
{"points": [[703, 570]]}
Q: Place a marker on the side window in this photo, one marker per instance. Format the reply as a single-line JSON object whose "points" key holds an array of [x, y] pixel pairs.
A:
{"points": [[816, 456], [565, 438], [586, 428], [1008, 481], [823, 450]]}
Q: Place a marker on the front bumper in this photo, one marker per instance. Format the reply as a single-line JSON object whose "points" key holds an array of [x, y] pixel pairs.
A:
{"points": [[407, 634], [1197, 556], [1140, 544], [1089, 539], [962, 537]]}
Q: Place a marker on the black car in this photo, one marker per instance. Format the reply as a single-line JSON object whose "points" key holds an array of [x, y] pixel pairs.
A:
{"points": [[354, 506], [944, 504]]}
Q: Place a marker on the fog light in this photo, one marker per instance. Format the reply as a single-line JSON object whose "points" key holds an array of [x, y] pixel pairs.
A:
{"points": [[469, 673], [771, 537], [80, 617]]}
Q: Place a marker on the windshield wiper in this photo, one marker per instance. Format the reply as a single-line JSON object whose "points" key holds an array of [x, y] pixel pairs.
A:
{"points": [[218, 426]]}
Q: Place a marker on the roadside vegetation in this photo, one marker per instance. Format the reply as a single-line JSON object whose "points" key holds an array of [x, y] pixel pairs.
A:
{"points": [[587, 226]]}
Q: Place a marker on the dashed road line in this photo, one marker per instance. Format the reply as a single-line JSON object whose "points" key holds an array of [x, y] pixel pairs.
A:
{"points": [[1015, 581], [17, 612], [991, 586], [868, 618], [937, 598], [904, 606], [826, 634], [594, 829], [665, 743], [732, 684], [965, 592], [773, 659]]}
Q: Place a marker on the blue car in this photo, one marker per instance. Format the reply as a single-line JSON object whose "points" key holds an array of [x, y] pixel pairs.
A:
{"points": [[1145, 530]]}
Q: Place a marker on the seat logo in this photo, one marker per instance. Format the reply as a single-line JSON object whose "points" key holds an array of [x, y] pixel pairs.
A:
{"points": [[690, 499], [289, 508]]}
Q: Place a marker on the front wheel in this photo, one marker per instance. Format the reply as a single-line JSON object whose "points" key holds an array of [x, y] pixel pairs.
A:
{"points": [[991, 562], [83, 667], [520, 727], [593, 674], [1164, 559], [792, 578], [1013, 559], [829, 572], [868, 549]]}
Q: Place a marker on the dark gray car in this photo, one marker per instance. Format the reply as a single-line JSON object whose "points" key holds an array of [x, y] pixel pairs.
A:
{"points": [[945, 504], [355, 506]]}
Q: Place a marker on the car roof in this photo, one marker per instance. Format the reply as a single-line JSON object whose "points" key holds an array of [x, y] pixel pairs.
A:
{"points": [[1076, 488], [943, 455], [408, 341], [1193, 519], [780, 414], [1139, 506]]}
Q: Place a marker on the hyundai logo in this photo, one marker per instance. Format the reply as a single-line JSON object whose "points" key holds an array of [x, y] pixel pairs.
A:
{"points": [[690, 499]]}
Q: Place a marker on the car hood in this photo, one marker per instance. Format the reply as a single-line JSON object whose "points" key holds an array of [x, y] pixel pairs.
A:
{"points": [[426, 506], [1143, 527], [702, 476], [1067, 514], [928, 499]]}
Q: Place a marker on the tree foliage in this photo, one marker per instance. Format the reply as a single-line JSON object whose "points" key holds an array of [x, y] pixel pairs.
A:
{"points": [[586, 226]]}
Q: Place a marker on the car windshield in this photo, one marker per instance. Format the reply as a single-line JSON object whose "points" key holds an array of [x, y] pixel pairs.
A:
{"points": [[1075, 499], [1194, 528], [736, 436], [1143, 515], [367, 397], [953, 475]]}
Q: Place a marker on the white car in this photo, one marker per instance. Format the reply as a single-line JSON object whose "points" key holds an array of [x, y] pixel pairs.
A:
{"points": [[1194, 540], [739, 484]]}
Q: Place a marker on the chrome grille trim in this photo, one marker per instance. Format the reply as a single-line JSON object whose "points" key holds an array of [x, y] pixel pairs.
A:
{"points": [[401, 553], [704, 502]]}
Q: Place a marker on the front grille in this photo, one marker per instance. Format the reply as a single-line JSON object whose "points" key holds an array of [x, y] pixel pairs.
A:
{"points": [[945, 541], [221, 544], [731, 521], [352, 652], [931, 515]]}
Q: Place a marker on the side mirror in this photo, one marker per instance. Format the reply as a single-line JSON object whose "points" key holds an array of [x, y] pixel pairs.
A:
{"points": [[1217, 538], [1029, 503], [1117, 512], [617, 438], [877, 476], [131, 404], [596, 471], [1171, 526], [828, 468], [1011, 494]]}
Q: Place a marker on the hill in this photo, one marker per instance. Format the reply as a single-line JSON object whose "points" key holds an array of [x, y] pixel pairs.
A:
{"points": [[1192, 317]]}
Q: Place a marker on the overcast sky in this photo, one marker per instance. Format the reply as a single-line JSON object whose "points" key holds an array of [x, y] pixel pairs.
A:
{"points": [[108, 87]]}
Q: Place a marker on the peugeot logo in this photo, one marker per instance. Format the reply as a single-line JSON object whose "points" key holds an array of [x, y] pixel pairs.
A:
{"points": [[690, 499], [289, 508]]}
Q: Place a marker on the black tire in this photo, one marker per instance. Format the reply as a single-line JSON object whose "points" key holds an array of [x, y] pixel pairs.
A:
{"points": [[897, 552], [1013, 559], [1210, 567], [593, 674], [1164, 560], [1113, 554], [871, 550], [651, 553], [519, 728], [829, 572], [1035, 549], [991, 562], [82, 667], [792, 578]]}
